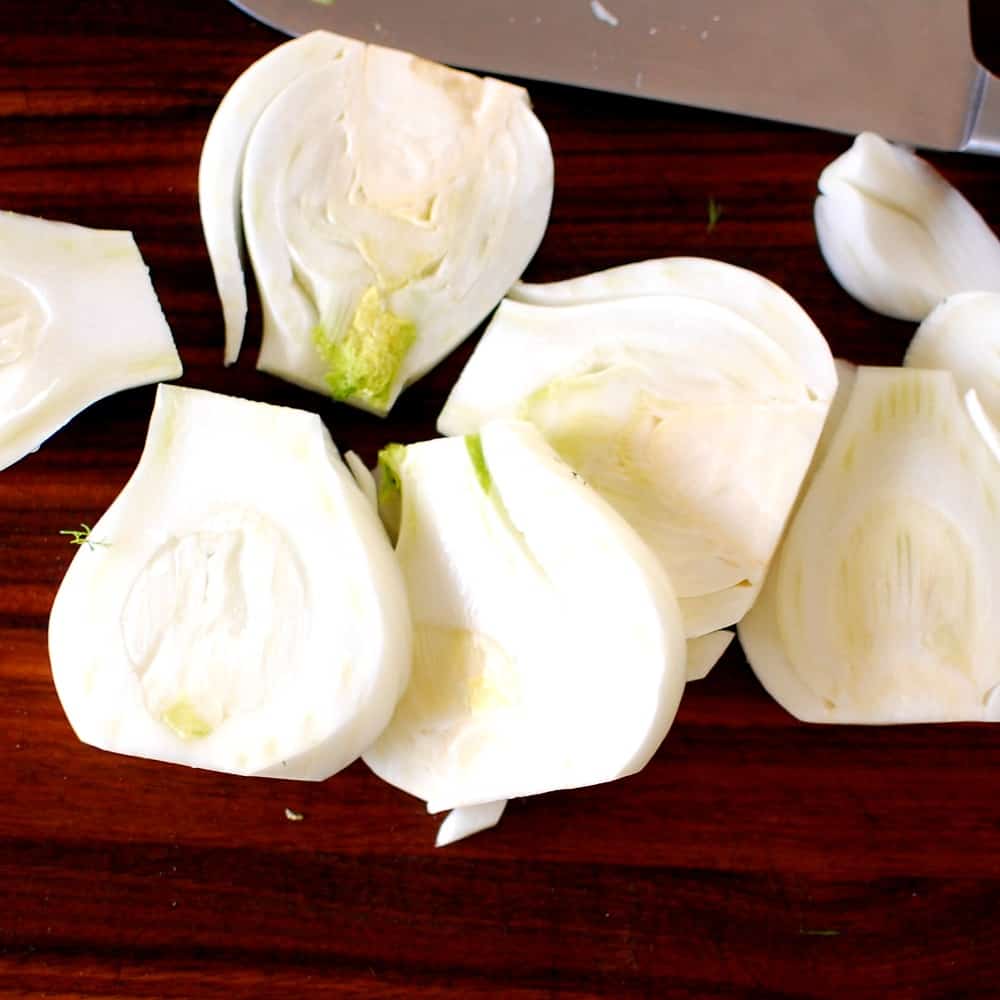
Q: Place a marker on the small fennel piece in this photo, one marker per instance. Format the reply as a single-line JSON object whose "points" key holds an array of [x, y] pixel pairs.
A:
{"points": [[250, 616], [962, 336], [388, 203], [714, 215], [896, 235], [468, 820], [689, 393], [705, 651], [883, 603], [79, 320], [525, 589]]}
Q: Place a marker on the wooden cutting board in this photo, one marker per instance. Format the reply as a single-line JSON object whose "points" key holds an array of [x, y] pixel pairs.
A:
{"points": [[754, 856]]}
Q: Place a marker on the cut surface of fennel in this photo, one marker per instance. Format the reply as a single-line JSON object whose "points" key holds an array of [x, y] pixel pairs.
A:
{"points": [[685, 415], [882, 603], [387, 202], [79, 320], [244, 611], [548, 649]]}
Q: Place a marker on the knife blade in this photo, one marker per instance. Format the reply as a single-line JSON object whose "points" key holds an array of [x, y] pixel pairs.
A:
{"points": [[902, 68]]}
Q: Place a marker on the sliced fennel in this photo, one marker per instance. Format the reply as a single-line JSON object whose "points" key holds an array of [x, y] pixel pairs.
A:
{"points": [[387, 202], [690, 418], [897, 235], [548, 649], [962, 336], [247, 614], [882, 604], [221, 168], [79, 320]]}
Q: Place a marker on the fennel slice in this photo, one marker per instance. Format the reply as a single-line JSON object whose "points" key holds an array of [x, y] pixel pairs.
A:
{"points": [[880, 605], [247, 614], [548, 648]]}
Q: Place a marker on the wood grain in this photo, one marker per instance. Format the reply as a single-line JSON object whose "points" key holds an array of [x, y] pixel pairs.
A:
{"points": [[755, 856]]}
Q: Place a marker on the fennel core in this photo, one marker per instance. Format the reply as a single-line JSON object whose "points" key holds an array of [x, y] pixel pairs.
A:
{"points": [[362, 365]]}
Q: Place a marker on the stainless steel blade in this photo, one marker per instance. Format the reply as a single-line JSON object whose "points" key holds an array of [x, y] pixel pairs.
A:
{"points": [[903, 68]]}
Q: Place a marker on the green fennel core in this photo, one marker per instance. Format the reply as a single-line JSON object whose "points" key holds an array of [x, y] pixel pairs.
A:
{"points": [[362, 364]]}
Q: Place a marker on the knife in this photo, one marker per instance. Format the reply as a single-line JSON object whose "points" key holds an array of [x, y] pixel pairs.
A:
{"points": [[902, 68]]}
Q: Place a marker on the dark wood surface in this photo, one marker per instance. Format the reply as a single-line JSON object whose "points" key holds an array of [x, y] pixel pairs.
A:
{"points": [[754, 856]]}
